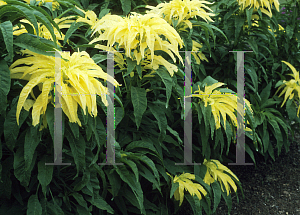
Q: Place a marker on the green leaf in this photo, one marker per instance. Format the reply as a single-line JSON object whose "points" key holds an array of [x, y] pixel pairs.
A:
{"points": [[32, 139], [251, 72], [130, 66], [22, 8], [50, 119], [74, 26], [139, 70], [173, 188], [140, 144], [7, 32], [79, 198], [175, 133], [133, 167], [32, 43], [217, 194], [34, 206], [139, 102], [159, 114], [78, 150], [44, 173], [98, 58], [75, 129], [119, 113], [277, 133], [265, 93], [4, 84], [128, 178], [19, 167], [289, 31], [238, 22], [228, 201], [271, 152], [150, 177], [47, 21], [253, 45], [269, 102], [11, 128], [249, 15], [4, 77], [126, 6], [167, 79], [114, 180]]}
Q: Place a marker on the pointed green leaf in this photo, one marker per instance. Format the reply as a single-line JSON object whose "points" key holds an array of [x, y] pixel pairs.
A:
{"points": [[32, 139], [167, 79], [160, 116], [44, 173], [7, 33], [126, 6], [78, 150], [128, 178], [139, 101], [32, 43]]}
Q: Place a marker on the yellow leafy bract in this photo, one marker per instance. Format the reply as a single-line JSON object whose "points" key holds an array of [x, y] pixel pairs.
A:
{"points": [[89, 17], [199, 54], [185, 183], [215, 171], [2, 3], [259, 4], [291, 87], [138, 33], [79, 84], [182, 10], [221, 103]]}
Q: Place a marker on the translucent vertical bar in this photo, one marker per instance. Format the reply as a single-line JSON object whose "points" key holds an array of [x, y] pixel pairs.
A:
{"points": [[240, 147], [188, 152], [58, 114], [110, 152]]}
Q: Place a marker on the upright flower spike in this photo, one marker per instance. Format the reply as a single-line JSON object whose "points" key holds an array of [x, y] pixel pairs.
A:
{"points": [[78, 76], [215, 172], [138, 33], [182, 10], [259, 4]]}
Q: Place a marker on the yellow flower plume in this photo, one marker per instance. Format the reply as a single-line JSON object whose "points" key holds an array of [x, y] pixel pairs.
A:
{"points": [[182, 10], [215, 171], [78, 76], [259, 4], [291, 87], [137, 34], [185, 183], [224, 103]]}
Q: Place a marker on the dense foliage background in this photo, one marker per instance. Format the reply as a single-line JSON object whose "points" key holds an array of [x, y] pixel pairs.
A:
{"points": [[149, 102]]}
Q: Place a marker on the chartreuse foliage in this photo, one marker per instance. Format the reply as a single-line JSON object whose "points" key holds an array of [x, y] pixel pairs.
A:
{"points": [[149, 94]]}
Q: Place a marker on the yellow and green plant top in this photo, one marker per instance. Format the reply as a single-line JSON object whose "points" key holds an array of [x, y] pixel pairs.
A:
{"points": [[79, 75]]}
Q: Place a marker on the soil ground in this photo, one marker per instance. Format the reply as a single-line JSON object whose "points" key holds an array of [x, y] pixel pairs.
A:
{"points": [[270, 189]]}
